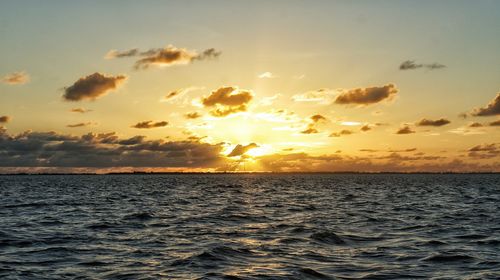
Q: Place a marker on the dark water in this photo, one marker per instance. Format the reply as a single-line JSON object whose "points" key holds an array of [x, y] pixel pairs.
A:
{"points": [[250, 227]]}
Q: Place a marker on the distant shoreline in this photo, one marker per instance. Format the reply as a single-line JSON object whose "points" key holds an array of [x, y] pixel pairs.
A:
{"points": [[247, 173]]}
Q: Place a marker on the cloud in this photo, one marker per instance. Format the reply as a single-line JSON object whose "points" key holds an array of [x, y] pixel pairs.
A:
{"points": [[240, 150], [475, 124], [492, 109], [405, 130], [311, 127], [266, 75], [167, 56], [118, 54], [79, 125], [367, 96], [51, 149], [80, 110], [366, 127], [5, 119], [495, 123], [179, 92], [16, 78], [227, 100], [341, 133], [192, 115], [411, 65], [322, 95], [92, 87], [150, 124], [485, 151], [438, 122]]}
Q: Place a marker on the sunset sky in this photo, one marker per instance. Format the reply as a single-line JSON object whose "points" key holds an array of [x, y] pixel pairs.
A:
{"points": [[366, 86]]}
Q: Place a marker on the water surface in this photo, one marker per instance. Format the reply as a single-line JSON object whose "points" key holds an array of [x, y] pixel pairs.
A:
{"points": [[248, 226]]}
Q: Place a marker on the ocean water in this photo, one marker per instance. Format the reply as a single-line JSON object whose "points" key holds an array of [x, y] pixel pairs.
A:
{"points": [[250, 226]]}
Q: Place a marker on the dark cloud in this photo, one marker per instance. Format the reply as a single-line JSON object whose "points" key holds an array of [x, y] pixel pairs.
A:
{"points": [[317, 118], [79, 125], [50, 149], [4, 119], [492, 109], [403, 150], [240, 150], [92, 87], [341, 133], [495, 123], [16, 78], [80, 110], [227, 100], [192, 115], [411, 65], [405, 130], [438, 122], [150, 124], [367, 96]]}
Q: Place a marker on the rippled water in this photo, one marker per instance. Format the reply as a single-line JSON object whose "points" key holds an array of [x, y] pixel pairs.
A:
{"points": [[250, 227]]}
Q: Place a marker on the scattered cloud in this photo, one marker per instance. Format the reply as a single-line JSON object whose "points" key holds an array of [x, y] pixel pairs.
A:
{"points": [[492, 109], [80, 110], [322, 95], [485, 151], [178, 93], [5, 119], [311, 127], [438, 122], [405, 130], [366, 127], [366, 96], [118, 54], [16, 78], [227, 100], [79, 125], [240, 150], [92, 87], [411, 65], [341, 133], [162, 57], [266, 75], [495, 123], [150, 124], [192, 115], [475, 124]]}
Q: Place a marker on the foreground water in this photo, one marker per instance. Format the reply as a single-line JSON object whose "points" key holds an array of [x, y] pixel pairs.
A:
{"points": [[250, 227]]}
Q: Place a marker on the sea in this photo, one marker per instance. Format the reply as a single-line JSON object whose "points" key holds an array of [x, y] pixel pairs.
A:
{"points": [[250, 226]]}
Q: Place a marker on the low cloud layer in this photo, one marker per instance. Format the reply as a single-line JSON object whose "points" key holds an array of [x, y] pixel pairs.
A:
{"points": [[167, 56], [51, 149], [150, 124], [492, 109], [367, 96], [227, 100], [92, 87], [16, 78], [411, 65], [438, 122]]}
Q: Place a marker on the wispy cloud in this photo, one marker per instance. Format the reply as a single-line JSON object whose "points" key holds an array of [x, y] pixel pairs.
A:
{"points": [[16, 78], [411, 65]]}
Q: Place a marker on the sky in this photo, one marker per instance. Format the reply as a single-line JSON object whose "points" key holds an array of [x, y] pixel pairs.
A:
{"points": [[214, 86]]}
